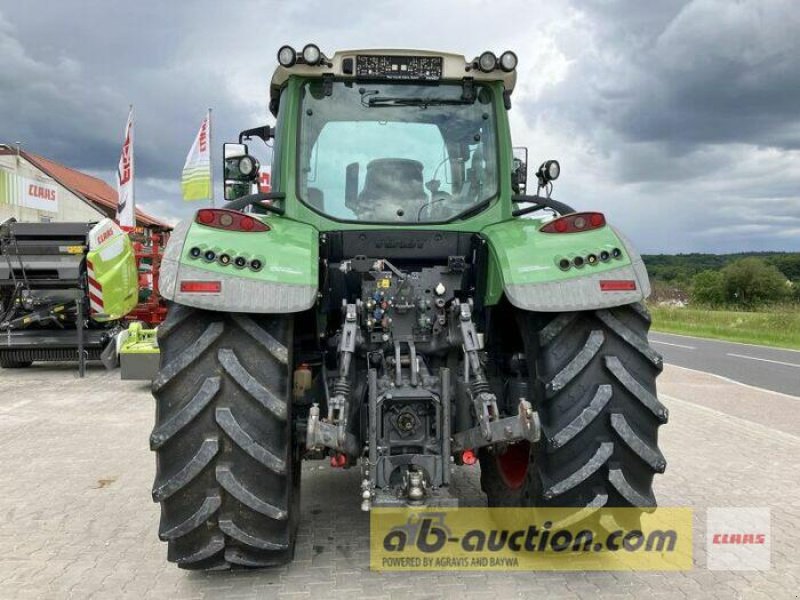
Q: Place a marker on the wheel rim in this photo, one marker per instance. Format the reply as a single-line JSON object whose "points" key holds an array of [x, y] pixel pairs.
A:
{"points": [[513, 464]]}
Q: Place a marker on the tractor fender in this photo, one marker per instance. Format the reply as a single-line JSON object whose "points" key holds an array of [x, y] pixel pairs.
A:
{"points": [[524, 265], [286, 282]]}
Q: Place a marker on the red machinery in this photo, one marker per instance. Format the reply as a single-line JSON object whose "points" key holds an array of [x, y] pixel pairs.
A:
{"points": [[152, 309]]}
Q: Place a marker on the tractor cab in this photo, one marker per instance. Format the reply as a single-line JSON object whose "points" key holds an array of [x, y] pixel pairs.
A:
{"points": [[386, 137]]}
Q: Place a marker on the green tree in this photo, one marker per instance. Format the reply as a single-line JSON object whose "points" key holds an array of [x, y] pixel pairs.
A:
{"points": [[708, 287], [788, 264], [751, 281]]}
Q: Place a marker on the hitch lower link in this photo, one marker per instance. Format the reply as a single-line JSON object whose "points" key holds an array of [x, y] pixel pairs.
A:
{"points": [[332, 432], [491, 429]]}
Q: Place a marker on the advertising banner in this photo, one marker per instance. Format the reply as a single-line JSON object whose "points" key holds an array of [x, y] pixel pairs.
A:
{"points": [[28, 193]]}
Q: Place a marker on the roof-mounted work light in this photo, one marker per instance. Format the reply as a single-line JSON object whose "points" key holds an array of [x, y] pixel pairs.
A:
{"points": [[508, 61], [287, 56], [312, 55], [487, 62]]}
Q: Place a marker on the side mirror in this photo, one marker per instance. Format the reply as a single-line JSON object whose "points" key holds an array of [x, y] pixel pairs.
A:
{"points": [[519, 170], [240, 170]]}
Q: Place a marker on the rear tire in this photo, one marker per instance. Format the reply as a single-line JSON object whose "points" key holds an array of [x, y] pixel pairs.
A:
{"points": [[228, 470], [596, 376]]}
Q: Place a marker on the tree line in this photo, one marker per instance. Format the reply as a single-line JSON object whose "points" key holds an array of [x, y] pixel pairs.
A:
{"points": [[747, 280]]}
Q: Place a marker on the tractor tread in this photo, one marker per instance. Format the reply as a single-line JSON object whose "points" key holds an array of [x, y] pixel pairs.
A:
{"points": [[649, 454], [554, 328], [164, 432], [204, 455], [215, 544], [634, 498], [235, 488], [177, 315], [227, 460], [241, 557], [595, 379], [581, 474], [190, 355], [641, 310], [241, 438], [209, 506], [582, 421], [231, 364], [638, 342], [591, 508], [273, 346], [229, 528], [578, 363], [629, 382]]}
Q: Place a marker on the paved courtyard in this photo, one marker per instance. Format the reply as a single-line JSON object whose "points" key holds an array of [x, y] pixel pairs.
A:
{"points": [[77, 520]]}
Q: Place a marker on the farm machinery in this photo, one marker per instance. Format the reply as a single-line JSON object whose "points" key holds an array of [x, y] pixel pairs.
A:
{"points": [[69, 290], [398, 303]]}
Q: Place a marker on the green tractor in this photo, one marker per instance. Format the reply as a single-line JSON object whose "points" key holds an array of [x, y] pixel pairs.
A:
{"points": [[397, 304]]}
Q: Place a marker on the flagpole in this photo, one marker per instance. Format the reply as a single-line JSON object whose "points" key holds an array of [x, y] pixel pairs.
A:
{"points": [[210, 157], [133, 170]]}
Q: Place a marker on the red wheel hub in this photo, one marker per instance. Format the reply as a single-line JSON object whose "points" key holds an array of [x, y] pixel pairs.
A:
{"points": [[513, 464]]}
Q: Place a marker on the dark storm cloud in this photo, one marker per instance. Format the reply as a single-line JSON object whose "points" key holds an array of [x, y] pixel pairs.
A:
{"points": [[720, 72], [683, 74], [680, 119], [67, 77]]}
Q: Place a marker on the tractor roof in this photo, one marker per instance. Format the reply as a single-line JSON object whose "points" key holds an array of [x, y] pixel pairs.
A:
{"points": [[391, 65]]}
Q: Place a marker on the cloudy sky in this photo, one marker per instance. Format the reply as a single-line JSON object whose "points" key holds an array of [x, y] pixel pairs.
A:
{"points": [[680, 120]]}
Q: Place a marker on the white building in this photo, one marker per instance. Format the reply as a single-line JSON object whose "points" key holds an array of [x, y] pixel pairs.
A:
{"points": [[36, 189]]}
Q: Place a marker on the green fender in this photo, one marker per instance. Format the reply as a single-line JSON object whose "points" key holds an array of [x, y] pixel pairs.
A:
{"points": [[286, 282], [524, 265]]}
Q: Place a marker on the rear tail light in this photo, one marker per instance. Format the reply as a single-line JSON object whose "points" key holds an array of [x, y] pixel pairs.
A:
{"points": [[583, 221], [201, 287], [617, 285], [232, 220]]}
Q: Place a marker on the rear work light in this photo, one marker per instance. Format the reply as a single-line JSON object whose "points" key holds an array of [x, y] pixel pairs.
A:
{"points": [[230, 220], [574, 223], [201, 287]]}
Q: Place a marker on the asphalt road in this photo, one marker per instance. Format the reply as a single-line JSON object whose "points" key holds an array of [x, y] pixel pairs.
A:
{"points": [[760, 366]]}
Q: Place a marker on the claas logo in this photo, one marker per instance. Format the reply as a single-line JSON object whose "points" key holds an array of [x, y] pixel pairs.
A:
{"points": [[204, 136], [125, 163], [104, 235], [38, 191]]}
